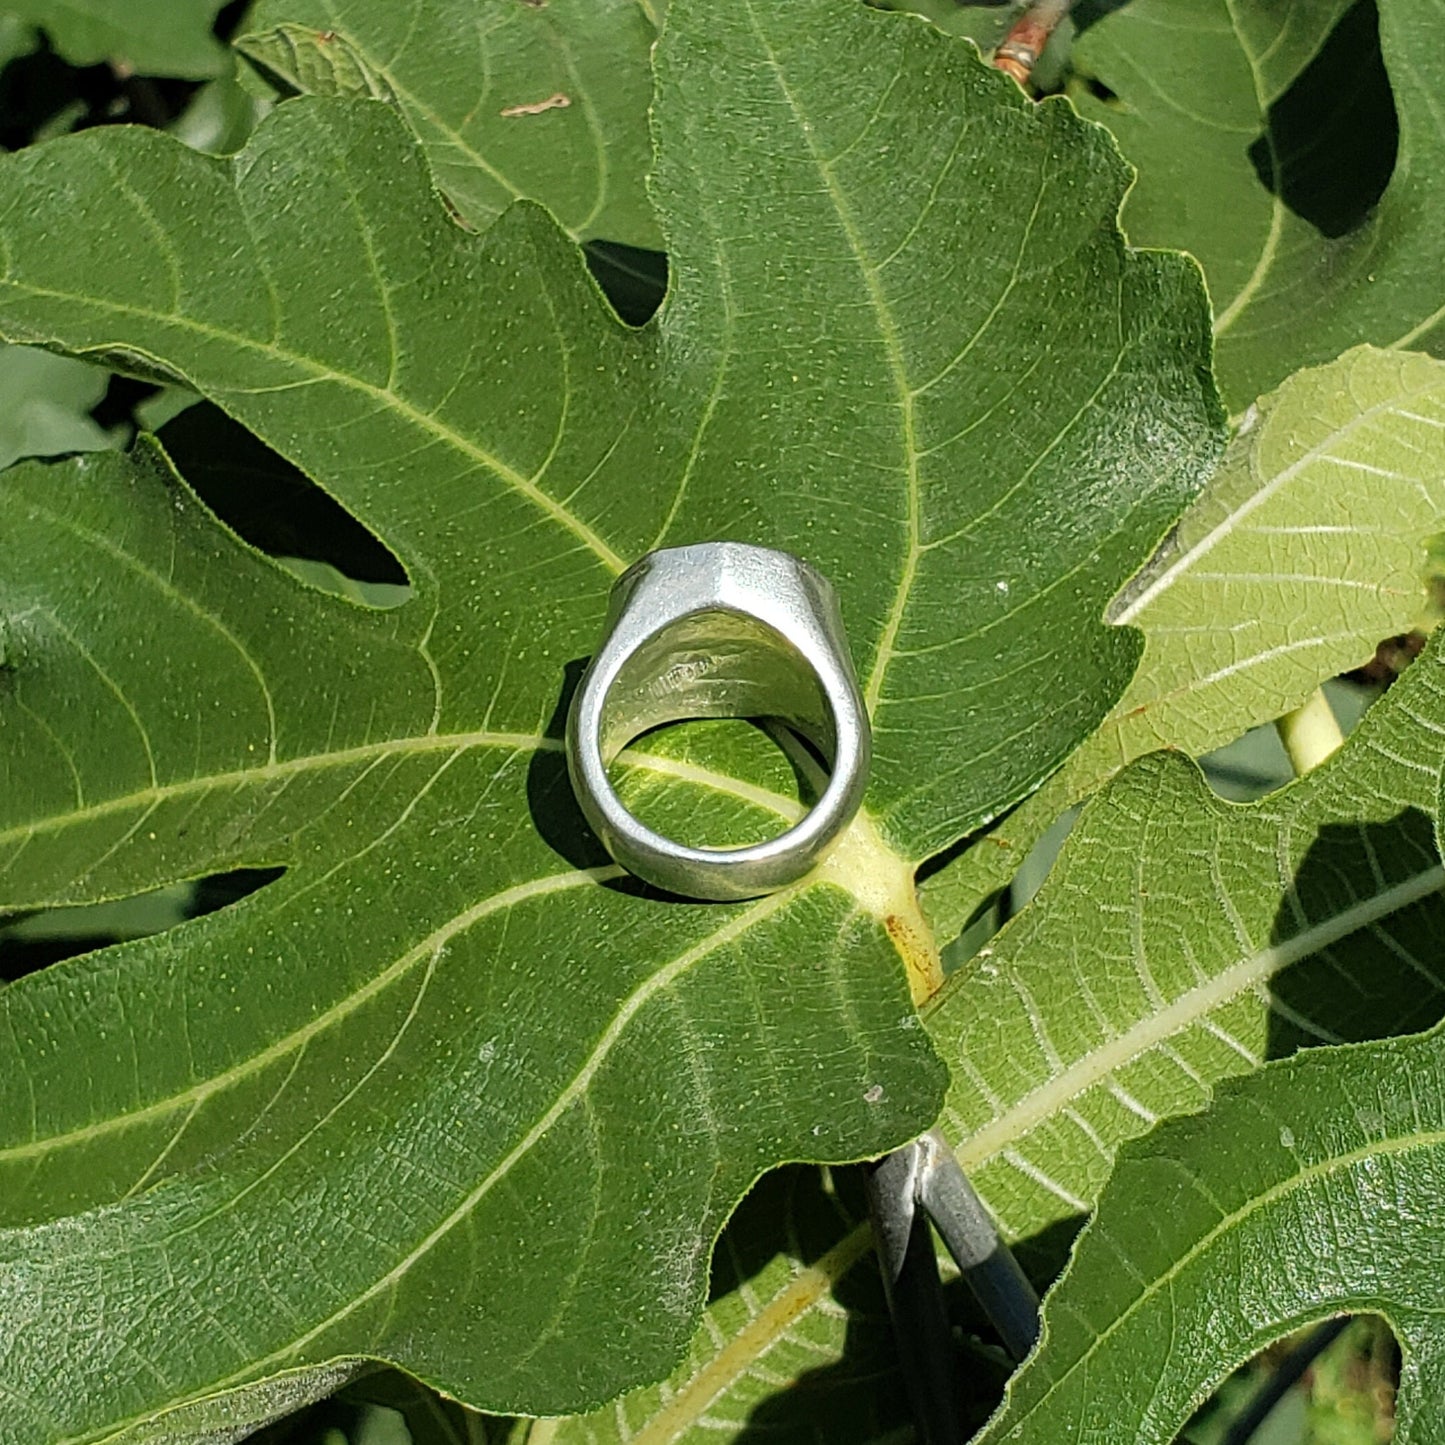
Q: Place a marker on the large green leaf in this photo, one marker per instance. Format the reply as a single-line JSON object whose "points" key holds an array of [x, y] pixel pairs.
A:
{"points": [[154, 37], [1307, 548], [1309, 1190], [1179, 940], [450, 1092], [383, 1144], [1201, 87], [547, 101]]}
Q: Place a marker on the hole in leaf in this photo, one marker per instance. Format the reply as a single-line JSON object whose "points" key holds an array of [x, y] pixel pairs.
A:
{"points": [[718, 783], [32, 941], [1330, 140], [229, 18], [1104, 94], [382, 1407], [123, 395], [633, 280], [1256, 764], [278, 509], [1333, 1381], [1391, 658]]}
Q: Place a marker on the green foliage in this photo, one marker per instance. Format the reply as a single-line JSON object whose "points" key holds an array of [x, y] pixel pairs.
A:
{"points": [[1306, 1190], [1263, 139], [471, 401], [1178, 942], [444, 1088], [45, 403], [155, 37], [547, 101], [1308, 546], [1181, 940]]}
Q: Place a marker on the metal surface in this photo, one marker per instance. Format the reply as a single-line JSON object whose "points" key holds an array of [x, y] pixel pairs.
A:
{"points": [[719, 629], [968, 1232], [927, 1358], [920, 1182]]}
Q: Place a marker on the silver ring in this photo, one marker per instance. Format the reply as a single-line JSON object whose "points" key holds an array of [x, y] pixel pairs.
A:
{"points": [[720, 629]]}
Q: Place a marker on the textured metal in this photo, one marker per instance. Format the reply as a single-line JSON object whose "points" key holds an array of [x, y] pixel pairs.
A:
{"points": [[719, 629]]}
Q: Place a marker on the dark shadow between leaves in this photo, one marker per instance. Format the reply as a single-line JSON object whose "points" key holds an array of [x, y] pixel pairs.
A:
{"points": [[1382, 980], [35, 940], [270, 503], [633, 280], [385, 1406], [1331, 139], [861, 1395], [40, 92]]}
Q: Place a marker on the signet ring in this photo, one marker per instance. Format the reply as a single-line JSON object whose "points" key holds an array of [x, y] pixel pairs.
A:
{"points": [[719, 630]]}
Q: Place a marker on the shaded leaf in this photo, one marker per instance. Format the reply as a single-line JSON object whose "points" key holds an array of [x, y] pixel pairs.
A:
{"points": [[1309, 1190], [510, 98], [1308, 547], [450, 1092], [1204, 110], [759, 1363], [45, 404], [154, 37], [219, 117]]}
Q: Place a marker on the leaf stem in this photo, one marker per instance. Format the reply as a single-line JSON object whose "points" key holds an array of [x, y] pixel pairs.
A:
{"points": [[986, 1263], [1025, 42], [914, 1293], [1310, 733]]}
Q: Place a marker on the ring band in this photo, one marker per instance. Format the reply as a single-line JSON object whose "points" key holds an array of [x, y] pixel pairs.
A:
{"points": [[719, 629]]}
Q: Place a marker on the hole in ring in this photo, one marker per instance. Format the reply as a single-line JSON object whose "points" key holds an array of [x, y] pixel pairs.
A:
{"points": [[714, 733], [719, 782]]}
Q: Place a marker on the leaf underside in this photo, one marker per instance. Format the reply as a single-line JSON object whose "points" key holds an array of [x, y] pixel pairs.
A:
{"points": [[1306, 1191]]}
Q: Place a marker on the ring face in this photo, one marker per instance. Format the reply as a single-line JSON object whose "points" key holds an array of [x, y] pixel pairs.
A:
{"points": [[719, 629]]}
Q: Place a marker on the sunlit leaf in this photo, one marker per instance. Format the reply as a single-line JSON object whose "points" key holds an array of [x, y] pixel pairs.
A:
{"points": [[450, 1092], [1308, 548], [1306, 1191]]}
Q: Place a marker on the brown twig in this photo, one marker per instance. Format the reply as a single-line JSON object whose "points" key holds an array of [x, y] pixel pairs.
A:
{"points": [[1025, 42]]}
